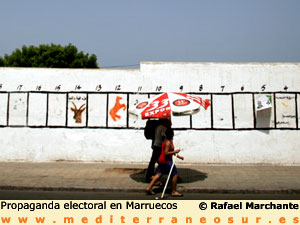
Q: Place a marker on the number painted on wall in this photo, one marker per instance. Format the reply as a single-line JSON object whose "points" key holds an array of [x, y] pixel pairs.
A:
{"points": [[19, 88], [98, 87], [58, 87]]}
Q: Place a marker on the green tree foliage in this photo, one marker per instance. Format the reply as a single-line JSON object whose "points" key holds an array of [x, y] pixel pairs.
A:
{"points": [[49, 56], [1, 61]]}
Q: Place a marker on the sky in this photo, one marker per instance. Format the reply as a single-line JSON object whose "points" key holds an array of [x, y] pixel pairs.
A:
{"points": [[123, 33]]}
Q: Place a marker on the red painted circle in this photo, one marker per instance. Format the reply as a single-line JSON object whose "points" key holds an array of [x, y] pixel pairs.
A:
{"points": [[181, 102], [142, 105]]}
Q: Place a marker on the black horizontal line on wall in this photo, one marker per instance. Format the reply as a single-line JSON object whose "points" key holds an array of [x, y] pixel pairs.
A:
{"points": [[141, 128], [147, 93]]}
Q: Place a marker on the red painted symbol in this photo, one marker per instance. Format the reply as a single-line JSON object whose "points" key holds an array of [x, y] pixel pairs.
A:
{"points": [[142, 105], [118, 106], [181, 102]]}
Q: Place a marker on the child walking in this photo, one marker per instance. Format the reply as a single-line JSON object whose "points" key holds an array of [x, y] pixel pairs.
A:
{"points": [[165, 163]]}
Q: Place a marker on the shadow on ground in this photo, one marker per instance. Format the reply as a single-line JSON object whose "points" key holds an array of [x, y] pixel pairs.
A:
{"points": [[185, 175]]}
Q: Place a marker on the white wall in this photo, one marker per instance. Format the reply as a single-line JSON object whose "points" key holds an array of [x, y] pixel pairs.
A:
{"points": [[36, 120]]}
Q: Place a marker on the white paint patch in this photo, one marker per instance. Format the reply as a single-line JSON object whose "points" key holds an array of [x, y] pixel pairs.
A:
{"points": [[222, 111], [101, 145], [37, 109], [243, 111], [57, 109], [97, 110], [17, 109], [3, 109]]}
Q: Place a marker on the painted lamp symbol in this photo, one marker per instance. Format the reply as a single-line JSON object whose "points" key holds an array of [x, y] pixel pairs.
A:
{"points": [[170, 103]]}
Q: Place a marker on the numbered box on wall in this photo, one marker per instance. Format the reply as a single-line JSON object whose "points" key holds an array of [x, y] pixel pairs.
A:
{"points": [[57, 104], [117, 110], [97, 106], [134, 100], [298, 109], [77, 104], [285, 110], [264, 117], [202, 119], [18, 109], [181, 122], [243, 111], [3, 109], [37, 109], [222, 111]]}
